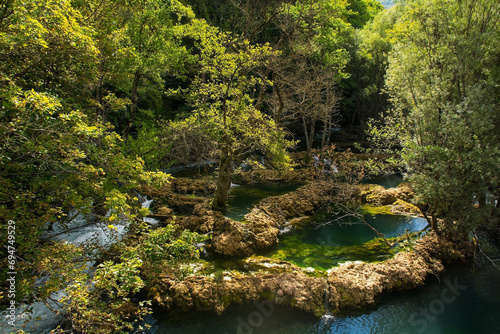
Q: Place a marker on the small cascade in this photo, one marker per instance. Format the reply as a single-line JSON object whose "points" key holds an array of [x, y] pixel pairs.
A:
{"points": [[286, 229], [37, 316], [328, 316], [146, 203]]}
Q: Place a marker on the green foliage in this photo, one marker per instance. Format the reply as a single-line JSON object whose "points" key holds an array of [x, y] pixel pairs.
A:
{"points": [[223, 105], [443, 78], [46, 46], [323, 31], [138, 47], [165, 249], [362, 11], [167, 244], [93, 302], [101, 304], [365, 97], [99, 301], [57, 155]]}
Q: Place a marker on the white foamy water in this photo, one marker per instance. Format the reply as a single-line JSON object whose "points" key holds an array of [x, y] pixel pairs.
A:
{"points": [[39, 316]]}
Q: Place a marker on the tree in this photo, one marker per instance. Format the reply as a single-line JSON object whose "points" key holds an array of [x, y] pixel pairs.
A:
{"points": [[46, 46], [364, 90], [223, 106], [312, 62], [138, 47], [443, 78], [305, 91], [153, 49], [58, 157], [362, 11]]}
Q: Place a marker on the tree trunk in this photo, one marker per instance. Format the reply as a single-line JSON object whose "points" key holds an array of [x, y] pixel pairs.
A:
{"points": [[278, 110], [311, 134], [223, 184], [327, 127], [306, 134], [482, 201], [434, 224], [330, 126], [133, 103]]}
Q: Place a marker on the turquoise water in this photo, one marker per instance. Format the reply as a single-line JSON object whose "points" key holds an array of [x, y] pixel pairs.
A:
{"points": [[326, 230]]}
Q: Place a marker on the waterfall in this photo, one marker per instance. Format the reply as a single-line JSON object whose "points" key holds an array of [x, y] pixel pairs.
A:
{"points": [[328, 316], [37, 317]]}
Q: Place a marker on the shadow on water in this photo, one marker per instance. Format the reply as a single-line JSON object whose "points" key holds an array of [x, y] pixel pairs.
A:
{"points": [[244, 197], [387, 181]]}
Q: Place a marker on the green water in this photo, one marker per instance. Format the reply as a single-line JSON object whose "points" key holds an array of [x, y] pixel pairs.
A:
{"points": [[326, 241]]}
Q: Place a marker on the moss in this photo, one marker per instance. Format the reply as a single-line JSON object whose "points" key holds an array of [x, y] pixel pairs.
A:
{"points": [[376, 210], [268, 295], [226, 300], [402, 207], [324, 257]]}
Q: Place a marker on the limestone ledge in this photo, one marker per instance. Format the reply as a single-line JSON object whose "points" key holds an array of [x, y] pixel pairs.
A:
{"points": [[351, 285]]}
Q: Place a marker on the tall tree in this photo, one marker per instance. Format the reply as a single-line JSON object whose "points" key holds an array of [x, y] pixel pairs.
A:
{"points": [[153, 48], [443, 78], [223, 106], [56, 155], [364, 91], [312, 62]]}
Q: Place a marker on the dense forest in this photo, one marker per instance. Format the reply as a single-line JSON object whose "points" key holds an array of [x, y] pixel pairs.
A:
{"points": [[97, 97]]}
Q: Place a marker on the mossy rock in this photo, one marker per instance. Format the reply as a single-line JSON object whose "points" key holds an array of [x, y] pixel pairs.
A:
{"points": [[404, 208], [300, 221], [377, 209]]}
